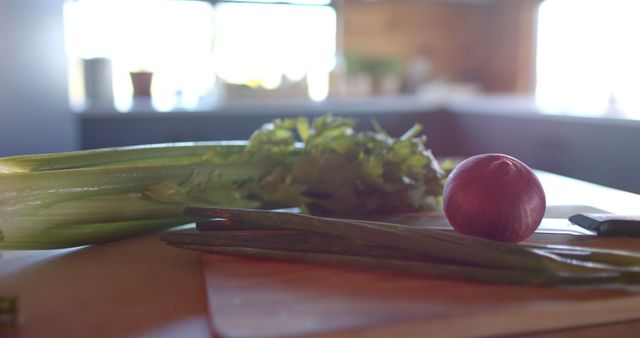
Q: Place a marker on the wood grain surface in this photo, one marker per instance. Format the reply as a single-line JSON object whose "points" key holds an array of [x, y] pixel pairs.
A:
{"points": [[262, 299], [133, 288]]}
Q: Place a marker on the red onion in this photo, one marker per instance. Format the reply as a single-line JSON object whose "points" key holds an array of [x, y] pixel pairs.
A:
{"points": [[494, 196]]}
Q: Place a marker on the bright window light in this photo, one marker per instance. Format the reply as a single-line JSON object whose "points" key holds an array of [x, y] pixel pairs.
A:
{"points": [[173, 39], [194, 49], [588, 57], [293, 2], [262, 45]]}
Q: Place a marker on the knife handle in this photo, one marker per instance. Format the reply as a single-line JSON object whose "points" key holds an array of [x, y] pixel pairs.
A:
{"points": [[609, 224]]}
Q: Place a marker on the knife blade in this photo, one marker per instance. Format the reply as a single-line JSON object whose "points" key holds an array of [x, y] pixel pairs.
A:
{"points": [[549, 225], [608, 224], [584, 225], [562, 226]]}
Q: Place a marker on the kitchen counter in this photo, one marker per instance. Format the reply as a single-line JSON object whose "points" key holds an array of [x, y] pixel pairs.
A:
{"points": [[140, 287]]}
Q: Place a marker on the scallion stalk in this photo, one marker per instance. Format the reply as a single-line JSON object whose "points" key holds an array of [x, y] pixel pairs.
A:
{"points": [[469, 255]]}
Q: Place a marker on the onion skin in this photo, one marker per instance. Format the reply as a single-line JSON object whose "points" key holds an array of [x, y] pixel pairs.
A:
{"points": [[494, 196]]}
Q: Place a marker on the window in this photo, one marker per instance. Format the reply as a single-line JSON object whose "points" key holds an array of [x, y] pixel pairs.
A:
{"points": [[588, 59], [172, 39], [198, 53], [266, 45]]}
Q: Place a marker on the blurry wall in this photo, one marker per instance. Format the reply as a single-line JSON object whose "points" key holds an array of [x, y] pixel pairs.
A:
{"points": [[447, 35], [491, 43], [34, 112], [508, 47]]}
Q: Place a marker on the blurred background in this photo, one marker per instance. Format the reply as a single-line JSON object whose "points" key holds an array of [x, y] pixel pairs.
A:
{"points": [[554, 82]]}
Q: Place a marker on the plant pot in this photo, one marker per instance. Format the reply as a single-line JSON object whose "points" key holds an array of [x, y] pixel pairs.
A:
{"points": [[141, 82]]}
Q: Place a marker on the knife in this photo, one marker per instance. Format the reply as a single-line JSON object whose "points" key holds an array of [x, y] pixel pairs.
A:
{"points": [[577, 220], [600, 225], [608, 224], [556, 224], [562, 226]]}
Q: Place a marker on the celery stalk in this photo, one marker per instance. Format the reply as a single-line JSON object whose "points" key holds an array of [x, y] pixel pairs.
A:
{"points": [[99, 195], [47, 237], [86, 197], [185, 152]]}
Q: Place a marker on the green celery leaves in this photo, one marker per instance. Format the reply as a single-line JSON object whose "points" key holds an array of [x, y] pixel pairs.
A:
{"points": [[87, 197]]}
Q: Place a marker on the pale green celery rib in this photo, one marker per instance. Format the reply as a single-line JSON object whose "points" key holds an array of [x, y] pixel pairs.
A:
{"points": [[45, 205], [74, 222], [84, 234], [112, 208], [173, 152], [33, 190]]}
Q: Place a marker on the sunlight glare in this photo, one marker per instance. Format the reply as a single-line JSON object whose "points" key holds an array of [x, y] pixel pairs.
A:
{"points": [[587, 58]]}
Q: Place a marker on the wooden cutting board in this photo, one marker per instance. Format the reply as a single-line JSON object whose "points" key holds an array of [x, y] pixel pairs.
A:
{"points": [[261, 298]]}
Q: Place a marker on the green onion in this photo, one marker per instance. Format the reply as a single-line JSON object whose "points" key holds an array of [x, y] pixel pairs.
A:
{"points": [[403, 248], [288, 240], [430, 243], [470, 273]]}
